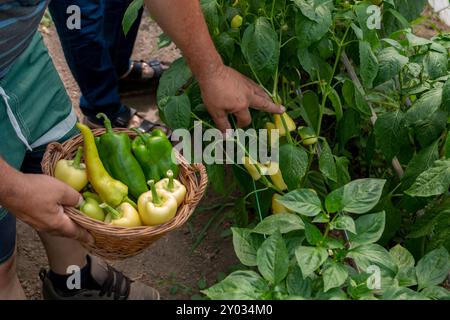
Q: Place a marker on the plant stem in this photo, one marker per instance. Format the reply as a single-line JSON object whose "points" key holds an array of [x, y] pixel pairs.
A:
{"points": [[114, 213], [170, 185], [155, 197], [106, 122], [77, 159]]}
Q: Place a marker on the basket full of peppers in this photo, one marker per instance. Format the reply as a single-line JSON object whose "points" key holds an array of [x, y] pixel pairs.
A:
{"points": [[135, 186]]}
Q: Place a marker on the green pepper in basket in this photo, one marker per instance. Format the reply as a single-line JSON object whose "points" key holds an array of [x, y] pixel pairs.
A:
{"points": [[72, 172], [157, 206], [110, 190], [115, 152], [154, 153], [91, 206]]}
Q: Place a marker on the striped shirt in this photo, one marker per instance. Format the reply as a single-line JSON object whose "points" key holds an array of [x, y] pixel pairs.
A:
{"points": [[19, 20]]}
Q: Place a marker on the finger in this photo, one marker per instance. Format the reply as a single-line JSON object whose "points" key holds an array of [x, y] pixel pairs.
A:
{"points": [[265, 105], [221, 121], [70, 197], [244, 118], [71, 230]]}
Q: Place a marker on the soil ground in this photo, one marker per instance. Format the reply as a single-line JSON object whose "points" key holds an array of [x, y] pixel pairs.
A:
{"points": [[168, 264]]}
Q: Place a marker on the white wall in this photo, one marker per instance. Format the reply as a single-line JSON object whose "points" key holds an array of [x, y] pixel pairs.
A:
{"points": [[443, 7]]}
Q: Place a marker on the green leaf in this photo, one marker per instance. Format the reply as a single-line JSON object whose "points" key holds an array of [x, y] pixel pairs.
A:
{"points": [[433, 268], [406, 275], [310, 259], [421, 162], [390, 64], [309, 31], [402, 257], [172, 81], [261, 48], [361, 104], [240, 285], [163, 41], [177, 112], [308, 8], [283, 222], [430, 129], [369, 229], [337, 104], [273, 259], [225, 45], [401, 293], [348, 127], [211, 14], [311, 109], [327, 165], [313, 234], [446, 96], [245, 245], [297, 285], [433, 182], [370, 254], [344, 222], [427, 105], [391, 134], [302, 201], [436, 293], [294, 162], [240, 213], [334, 275], [369, 64], [358, 196], [343, 176], [436, 64], [131, 15], [216, 176]]}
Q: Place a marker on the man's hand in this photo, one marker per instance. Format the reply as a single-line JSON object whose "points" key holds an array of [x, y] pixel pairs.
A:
{"points": [[224, 90], [38, 200], [227, 91]]}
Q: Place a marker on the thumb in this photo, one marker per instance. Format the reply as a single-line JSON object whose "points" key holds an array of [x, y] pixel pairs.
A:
{"points": [[69, 196]]}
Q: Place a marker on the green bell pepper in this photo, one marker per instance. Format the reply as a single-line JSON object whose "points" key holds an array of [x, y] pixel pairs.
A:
{"points": [[115, 153], [154, 153]]}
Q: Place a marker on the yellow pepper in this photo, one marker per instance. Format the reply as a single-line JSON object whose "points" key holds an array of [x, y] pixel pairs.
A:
{"points": [[157, 206], [290, 124], [269, 127], [125, 216], [250, 165], [72, 172], [308, 136], [175, 187], [277, 207]]}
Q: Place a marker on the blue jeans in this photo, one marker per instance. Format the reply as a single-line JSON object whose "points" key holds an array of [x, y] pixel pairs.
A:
{"points": [[98, 53]]}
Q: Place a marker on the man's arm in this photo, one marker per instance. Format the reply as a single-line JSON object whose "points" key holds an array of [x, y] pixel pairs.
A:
{"points": [[224, 90], [38, 200]]}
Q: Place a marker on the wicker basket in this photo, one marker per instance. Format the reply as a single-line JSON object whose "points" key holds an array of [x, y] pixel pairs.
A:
{"points": [[118, 242]]}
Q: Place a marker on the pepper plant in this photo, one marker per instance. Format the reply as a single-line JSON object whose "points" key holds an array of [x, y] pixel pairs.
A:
{"points": [[374, 99]]}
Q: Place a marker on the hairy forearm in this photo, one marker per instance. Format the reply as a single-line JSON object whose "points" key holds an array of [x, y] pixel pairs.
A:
{"points": [[183, 22]]}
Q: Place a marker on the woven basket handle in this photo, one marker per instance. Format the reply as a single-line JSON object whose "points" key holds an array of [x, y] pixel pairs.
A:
{"points": [[202, 183], [52, 155]]}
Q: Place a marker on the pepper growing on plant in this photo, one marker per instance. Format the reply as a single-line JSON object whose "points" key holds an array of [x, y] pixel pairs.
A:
{"points": [[307, 135], [278, 207], [110, 190], [154, 153], [157, 206], [121, 163], [124, 216], [91, 206], [72, 172], [175, 187]]}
